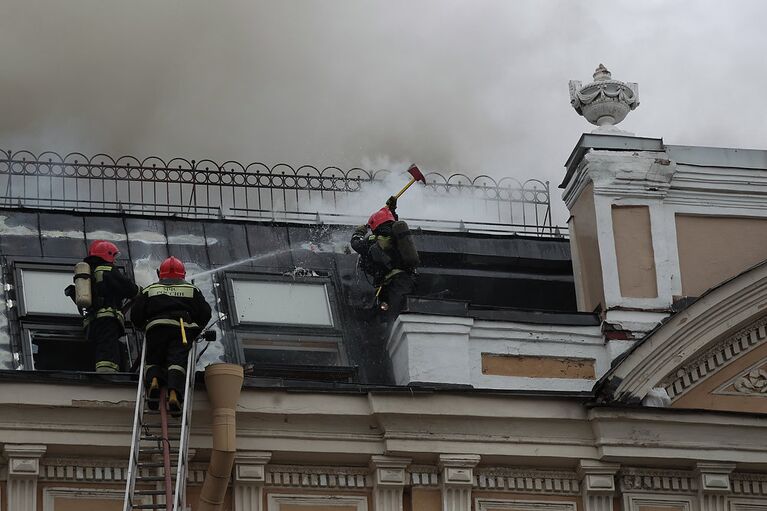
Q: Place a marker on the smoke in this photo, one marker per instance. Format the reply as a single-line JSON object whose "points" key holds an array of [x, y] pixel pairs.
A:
{"points": [[458, 86]]}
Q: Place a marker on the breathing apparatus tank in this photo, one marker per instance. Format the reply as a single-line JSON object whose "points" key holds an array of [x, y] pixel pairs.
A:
{"points": [[405, 245], [82, 280]]}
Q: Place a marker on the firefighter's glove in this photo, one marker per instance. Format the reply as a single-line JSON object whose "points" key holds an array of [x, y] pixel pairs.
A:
{"points": [[361, 230], [70, 292], [391, 203]]}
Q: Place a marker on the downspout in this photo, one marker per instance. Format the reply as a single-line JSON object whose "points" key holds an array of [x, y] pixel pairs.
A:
{"points": [[223, 382]]}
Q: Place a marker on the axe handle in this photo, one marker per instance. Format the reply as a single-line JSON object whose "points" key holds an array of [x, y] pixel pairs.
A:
{"points": [[412, 180]]}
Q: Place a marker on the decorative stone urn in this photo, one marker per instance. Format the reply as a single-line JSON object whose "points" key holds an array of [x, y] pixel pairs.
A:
{"points": [[604, 102]]}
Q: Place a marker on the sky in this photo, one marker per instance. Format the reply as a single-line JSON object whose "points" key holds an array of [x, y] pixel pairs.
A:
{"points": [[471, 86]]}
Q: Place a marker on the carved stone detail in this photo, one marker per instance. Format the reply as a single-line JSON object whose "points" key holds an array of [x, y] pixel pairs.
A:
{"points": [[749, 484], [755, 382], [604, 102], [717, 356], [633, 479], [318, 477], [528, 481], [457, 480]]}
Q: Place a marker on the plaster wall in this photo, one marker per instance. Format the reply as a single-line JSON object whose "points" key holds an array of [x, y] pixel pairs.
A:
{"points": [[634, 251], [587, 265], [425, 500], [713, 249], [440, 349]]}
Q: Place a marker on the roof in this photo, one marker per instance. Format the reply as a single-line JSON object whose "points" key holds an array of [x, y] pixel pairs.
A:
{"points": [[493, 277]]}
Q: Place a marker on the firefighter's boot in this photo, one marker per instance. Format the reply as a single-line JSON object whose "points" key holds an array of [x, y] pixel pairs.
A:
{"points": [[154, 395], [174, 404]]}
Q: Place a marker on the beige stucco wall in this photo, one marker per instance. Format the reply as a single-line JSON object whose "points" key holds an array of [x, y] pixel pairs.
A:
{"points": [[425, 500], [585, 248], [538, 366], [714, 248], [634, 251]]}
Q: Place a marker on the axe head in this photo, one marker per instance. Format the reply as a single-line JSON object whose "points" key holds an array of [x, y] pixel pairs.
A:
{"points": [[416, 173]]}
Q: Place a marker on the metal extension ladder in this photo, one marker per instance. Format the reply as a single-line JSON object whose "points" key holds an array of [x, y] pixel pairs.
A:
{"points": [[159, 442]]}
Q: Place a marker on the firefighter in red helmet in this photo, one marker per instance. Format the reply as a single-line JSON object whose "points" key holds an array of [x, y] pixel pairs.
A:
{"points": [[104, 319], [382, 257], [172, 313]]}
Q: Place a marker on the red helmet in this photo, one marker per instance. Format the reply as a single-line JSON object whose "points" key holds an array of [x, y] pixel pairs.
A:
{"points": [[172, 268], [104, 249], [381, 216]]}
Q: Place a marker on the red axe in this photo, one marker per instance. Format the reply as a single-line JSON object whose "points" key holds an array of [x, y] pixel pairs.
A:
{"points": [[416, 174]]}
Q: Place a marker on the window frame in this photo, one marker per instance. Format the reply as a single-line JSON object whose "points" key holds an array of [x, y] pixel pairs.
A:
{"points": [[27, 330], [21, 323], [18, 280], [278, 327], [289, 332]]}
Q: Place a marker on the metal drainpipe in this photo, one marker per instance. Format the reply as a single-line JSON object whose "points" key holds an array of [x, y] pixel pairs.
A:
{"points": [[223, 382]]}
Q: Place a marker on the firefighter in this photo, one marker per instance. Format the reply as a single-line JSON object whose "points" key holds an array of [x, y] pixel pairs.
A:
{"points": [[104, 319], [388, 255], [172, 313]]}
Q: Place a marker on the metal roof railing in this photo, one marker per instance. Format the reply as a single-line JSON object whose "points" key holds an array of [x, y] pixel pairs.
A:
{"points": [[206, 189]]}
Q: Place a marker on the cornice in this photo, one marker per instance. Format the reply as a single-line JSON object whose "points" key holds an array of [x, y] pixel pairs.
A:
{"points": [[716, 357]]}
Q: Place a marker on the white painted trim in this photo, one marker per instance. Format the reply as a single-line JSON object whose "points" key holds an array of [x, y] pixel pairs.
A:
{"points": [[50, 494], [483, 504], [633, 501], [275, 501]]}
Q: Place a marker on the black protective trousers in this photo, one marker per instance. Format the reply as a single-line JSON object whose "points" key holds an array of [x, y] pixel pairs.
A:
{"points": [[166, 357], [104, 335], [394, 292]]}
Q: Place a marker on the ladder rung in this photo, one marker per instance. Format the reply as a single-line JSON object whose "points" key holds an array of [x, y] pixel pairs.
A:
{"points": [[150, 478], [151, 464], [155, 450], [149, 506], [149, 492], [158, 438]]}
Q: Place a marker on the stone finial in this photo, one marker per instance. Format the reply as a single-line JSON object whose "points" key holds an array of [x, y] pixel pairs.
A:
{"points": [[604, 102]]}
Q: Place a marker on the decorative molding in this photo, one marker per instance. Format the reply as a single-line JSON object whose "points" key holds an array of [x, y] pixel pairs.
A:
{"points": [[481, 504], [353, 478], [457, 471], [389, 480], [714, 358], [749, 484], [714, 477], [250, 466], [275, 501], [424, 475], [100, 470], [754, 382], [637, 479], [527, 481]]}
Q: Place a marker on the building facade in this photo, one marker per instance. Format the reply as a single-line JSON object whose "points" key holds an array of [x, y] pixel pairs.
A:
{"points": [[621, 368]]}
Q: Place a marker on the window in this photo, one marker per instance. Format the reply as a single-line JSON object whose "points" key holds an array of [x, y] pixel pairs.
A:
{"points": [[47, 327], [50, 347], [282, 322], [41, 291], [281, 302], [276, 349]]}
